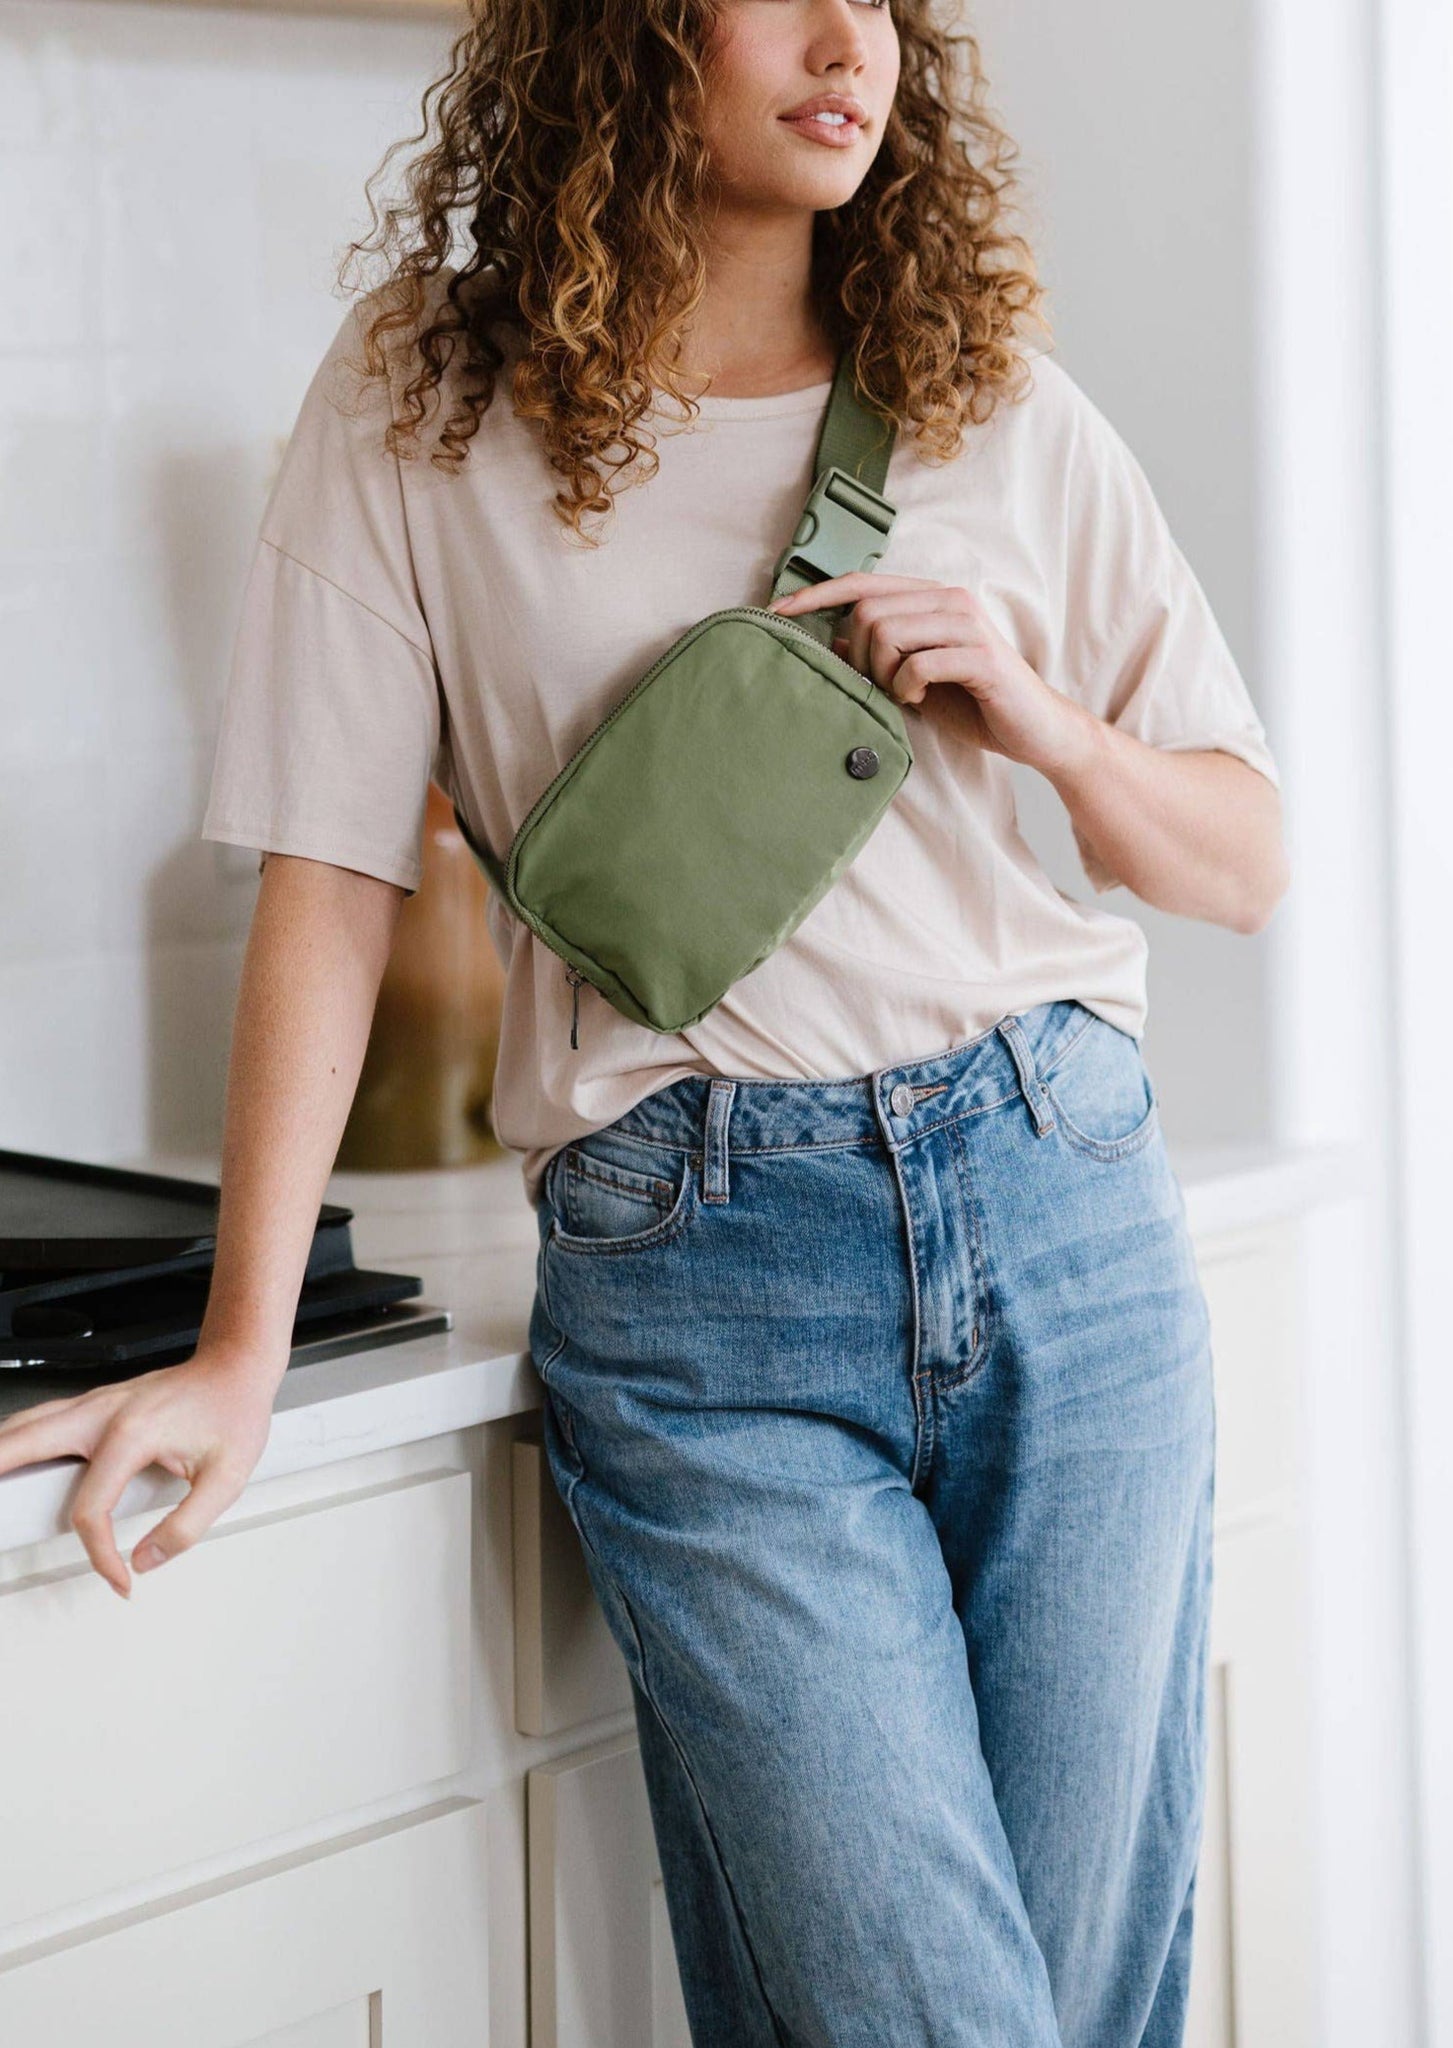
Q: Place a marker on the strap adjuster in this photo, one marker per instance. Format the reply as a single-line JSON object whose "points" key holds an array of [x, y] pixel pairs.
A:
{"points": [[844, 526]]}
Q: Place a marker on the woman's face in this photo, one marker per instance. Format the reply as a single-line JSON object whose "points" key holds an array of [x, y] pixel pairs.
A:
{"points": [[771, 56]]}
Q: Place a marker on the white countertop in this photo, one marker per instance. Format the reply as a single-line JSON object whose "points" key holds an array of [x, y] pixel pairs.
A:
{"points": [[470, 1236]]}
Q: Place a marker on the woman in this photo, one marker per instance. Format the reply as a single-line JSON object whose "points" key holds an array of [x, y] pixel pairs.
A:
{"points": [[877, 1368]]}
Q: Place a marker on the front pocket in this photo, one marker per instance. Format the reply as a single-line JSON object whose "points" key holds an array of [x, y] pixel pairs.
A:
{"points": [[1103, 1097], [599, 1204]]}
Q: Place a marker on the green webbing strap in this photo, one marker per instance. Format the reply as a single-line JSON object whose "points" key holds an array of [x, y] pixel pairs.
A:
{"points": [[846, 520], [844, 526], [853, 438]]}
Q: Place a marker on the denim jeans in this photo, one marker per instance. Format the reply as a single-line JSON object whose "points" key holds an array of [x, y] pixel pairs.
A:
{"points": [[883, 1410]]}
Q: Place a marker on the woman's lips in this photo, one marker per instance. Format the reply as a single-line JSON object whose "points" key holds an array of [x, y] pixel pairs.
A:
{"points": [[836, 134]]}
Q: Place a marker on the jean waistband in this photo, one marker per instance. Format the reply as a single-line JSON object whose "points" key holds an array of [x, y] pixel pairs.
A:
{"points": [[894, 1104]]}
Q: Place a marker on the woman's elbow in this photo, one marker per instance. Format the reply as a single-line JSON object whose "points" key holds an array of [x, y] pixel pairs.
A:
{"points": [[1258, 899]]}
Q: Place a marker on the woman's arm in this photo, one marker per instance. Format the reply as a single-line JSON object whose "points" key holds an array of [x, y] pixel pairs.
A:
{"points": [[1194, 831], [316, 951]]}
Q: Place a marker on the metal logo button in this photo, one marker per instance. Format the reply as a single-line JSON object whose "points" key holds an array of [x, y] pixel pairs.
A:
{"points": [[863, 762], [901, 1100]]}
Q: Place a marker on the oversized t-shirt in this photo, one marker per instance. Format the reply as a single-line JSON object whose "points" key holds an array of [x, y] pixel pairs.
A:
{"points": [[400, 623]]}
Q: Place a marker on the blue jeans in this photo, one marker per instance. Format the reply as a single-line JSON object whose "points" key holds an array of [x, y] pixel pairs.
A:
{"points": [[883, 1409]]}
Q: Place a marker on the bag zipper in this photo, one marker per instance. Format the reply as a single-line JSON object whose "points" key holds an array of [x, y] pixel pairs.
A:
{"points": [[740, 611], [574, 976]]}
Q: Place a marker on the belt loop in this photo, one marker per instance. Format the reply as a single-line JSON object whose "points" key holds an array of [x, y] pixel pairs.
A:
{"points": [[715, 1186], [1012, 1032]]}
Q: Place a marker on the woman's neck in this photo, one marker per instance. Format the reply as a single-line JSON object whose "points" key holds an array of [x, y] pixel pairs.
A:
{"points": [[762, 372], [757, 330]]}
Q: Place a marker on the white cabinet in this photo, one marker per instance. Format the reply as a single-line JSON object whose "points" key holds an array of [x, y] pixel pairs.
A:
{"points": [[305, 1663], [602, 1966], [567, 1666], [289, 1667], [374, 1941], [1254, 1977]]}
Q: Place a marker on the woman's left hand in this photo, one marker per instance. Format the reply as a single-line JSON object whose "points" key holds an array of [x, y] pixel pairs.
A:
{"points": [[905, 633]]}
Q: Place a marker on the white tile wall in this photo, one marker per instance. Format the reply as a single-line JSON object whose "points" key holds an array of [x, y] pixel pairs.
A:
{"points": [[177, 188]]}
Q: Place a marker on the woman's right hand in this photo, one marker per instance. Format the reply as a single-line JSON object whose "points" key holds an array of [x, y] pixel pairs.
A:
{"points": [[206, 1420], [316, 951]]}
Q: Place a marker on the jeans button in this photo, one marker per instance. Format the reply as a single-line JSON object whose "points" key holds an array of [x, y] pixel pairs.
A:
{"points": [[901, 1100]]}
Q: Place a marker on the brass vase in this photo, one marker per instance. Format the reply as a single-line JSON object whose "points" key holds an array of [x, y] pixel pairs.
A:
{"points": [[425, 1093]]}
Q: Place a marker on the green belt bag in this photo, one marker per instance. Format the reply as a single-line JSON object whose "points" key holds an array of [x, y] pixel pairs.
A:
{"points": [[718, 802]]}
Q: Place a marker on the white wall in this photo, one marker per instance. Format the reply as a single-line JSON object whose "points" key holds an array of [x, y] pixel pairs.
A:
{"points": [[1416, 80], [1135, 131], [176, 187], [1203, 185], [1336, 1049]]}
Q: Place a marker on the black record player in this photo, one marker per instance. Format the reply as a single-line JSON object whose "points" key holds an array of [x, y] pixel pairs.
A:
{"points": [[105, 1271]]}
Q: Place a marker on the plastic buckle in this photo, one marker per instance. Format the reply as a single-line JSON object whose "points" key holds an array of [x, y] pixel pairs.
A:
{"points": [[840, 524]]}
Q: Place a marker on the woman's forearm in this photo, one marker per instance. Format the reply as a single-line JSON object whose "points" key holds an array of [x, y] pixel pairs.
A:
{"points": [[1194, 831], [1197, 831], [319, 942]]}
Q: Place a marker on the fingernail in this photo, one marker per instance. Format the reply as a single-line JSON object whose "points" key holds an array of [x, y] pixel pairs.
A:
{"points": [[124, 1591], [144, 1557]]}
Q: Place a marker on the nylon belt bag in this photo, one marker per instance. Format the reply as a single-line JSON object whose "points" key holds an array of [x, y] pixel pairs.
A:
{"points": [[704, 817]]}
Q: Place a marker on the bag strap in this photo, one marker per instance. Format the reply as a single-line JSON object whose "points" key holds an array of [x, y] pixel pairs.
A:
{"points": [[844, 526], [846, 521]]}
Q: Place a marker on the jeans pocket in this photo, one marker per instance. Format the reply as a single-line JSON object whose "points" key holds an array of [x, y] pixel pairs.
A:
{"points": [[607, 1194], [1102, 1093]]}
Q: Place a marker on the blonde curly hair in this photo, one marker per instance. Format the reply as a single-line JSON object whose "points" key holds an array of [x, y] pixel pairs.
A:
{"points": [[592, 251]]}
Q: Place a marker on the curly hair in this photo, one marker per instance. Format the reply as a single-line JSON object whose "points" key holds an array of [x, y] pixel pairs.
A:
{"points": [[589, 245]]}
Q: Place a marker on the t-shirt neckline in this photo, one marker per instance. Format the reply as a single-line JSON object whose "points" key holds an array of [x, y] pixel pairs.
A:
{"points": [[775, 405]]}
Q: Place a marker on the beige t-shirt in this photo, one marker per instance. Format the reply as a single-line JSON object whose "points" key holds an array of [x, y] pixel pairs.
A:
{"points": [[399, 623]]}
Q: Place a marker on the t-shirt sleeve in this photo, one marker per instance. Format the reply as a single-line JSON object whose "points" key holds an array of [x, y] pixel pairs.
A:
{"points": [[1142, 647], [331, 723]]}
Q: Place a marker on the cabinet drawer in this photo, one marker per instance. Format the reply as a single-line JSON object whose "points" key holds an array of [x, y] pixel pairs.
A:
{"points": [[381, 1941], [602, 1961], [1251, 1284], [567, 1666], [289, 1667]]}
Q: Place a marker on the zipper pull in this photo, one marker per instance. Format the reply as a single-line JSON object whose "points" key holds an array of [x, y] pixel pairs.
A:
{"points": [[574, 977]]}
